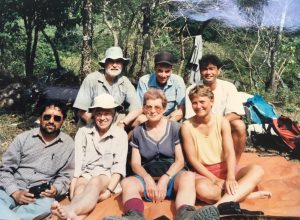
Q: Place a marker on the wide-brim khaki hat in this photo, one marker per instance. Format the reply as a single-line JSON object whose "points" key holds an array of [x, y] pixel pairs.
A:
{"points": [[105, 101], [114, 53]]}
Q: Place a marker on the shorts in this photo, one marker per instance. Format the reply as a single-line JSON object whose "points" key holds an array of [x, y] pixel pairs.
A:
{"points": [[218, 169], [170, 188]]}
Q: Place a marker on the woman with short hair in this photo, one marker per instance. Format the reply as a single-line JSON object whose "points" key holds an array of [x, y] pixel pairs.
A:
{"points": [[208, 146]]}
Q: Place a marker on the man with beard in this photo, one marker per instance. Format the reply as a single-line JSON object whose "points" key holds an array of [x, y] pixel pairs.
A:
{"points": [[226, 101], [41, 157], [112, 82]]}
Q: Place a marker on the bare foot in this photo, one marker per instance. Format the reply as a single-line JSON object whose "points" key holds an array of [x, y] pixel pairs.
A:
{"points": [[54, 208], [63, 212], [260, 195]]}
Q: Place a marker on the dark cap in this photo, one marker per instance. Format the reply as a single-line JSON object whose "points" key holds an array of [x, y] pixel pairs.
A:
{"points": [[164, 57]]}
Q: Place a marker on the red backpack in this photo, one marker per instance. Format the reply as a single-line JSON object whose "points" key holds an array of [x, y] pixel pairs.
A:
{"points": [[288, 130]]}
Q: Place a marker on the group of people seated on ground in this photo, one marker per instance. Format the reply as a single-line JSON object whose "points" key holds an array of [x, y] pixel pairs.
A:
{"points": [[197, 160]]}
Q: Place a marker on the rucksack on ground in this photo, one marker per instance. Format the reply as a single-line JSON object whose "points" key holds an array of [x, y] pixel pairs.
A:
{"points": [[288, 130], [259, 111]]}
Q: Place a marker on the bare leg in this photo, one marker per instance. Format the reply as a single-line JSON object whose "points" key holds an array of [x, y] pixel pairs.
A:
{"points": [[248, 178], [207, 191], [84, 201], [129, 192], [259, 195], [239, 135], [185, 187]]}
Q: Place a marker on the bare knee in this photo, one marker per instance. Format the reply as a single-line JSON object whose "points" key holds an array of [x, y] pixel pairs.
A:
{"points": [[127, 182], [258, 170], [206, 194], [99, 181], [187, 179], [238, 126]]}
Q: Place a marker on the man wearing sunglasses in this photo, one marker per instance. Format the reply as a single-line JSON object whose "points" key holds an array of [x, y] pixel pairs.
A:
{"points": [[101, 153], [37, 167], [110, 81]]}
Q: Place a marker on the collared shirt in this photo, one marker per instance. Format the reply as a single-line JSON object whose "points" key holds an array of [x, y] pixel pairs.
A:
{"points": [[29, 161], [150, 148], [97, 155], [174, 90], [226, 100], [95, 84]]}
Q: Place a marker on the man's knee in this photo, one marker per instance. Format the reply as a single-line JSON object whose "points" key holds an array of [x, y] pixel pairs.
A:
{"points": [[238, 126]]}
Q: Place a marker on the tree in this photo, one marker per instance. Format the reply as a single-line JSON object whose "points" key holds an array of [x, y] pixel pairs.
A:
{"points": [[86, 53], [36, 15]]}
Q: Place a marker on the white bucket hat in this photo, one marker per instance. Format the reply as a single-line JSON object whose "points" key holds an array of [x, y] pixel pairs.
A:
{"points": [[114, 53], [105, 101]]}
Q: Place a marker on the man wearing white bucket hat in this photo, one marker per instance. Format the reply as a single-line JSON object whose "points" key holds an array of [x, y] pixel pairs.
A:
{"points": [[109, 81], [100, 161]]}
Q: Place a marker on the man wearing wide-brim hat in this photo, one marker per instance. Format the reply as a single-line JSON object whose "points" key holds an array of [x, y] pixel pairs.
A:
{"points": [[109, 80], [164, 79], [100, 160]]}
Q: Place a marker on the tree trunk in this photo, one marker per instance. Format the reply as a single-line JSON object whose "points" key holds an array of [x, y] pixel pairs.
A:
{"points": [[146, 8], [55, 52], [29, 29], [86, 52]]}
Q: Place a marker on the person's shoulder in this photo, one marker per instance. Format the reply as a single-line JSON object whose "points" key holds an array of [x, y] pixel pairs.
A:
{"points": [[176, 77], [175, 125], [65, 137], [138, 128], [31, 132], [125, 79], [88, 128], [117, 131], [145, 78], [93, 76], [191, 87], [225, 83]]}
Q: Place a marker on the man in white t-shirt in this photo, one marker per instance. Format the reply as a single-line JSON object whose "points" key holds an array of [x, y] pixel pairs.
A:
{"points": [[226, 100]]}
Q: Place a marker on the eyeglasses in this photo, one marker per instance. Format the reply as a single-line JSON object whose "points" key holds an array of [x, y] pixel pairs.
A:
{"points": [[56, 118], [148, 108]]}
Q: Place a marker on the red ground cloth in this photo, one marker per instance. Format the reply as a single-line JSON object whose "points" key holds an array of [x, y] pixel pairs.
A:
{"points": [[282, 178]]}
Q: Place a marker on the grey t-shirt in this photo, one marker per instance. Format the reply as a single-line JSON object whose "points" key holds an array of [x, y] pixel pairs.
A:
{"points": [[149, 148]]}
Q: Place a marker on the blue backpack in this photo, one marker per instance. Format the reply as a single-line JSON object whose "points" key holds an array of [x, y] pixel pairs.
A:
{"points": [[258, 111]]}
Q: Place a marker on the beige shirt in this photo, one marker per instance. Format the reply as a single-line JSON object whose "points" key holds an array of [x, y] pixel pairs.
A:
{"points": [[95, 155]]}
